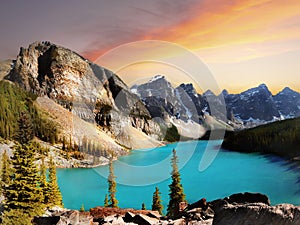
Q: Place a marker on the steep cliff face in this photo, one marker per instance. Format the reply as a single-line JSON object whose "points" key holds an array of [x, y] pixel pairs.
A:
{"points": [[89, 91]]}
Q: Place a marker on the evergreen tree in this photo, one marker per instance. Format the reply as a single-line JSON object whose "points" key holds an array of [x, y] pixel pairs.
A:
{"points": [[5, 172], [176, 190], [156, 201], [25, 132], [82, 208], [16, 217], [106, 201], [23, 193], [55, 197], [43, 183], [113, 202], [143, 206]]}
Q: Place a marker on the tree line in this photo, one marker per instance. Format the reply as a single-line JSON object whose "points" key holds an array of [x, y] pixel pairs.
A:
{"points": [[24, 185], [281, 138], [14, 100]]}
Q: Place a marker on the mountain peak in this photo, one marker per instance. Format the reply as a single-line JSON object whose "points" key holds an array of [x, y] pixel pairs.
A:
{"points": [[208, 93], [157, 77], [288, 90], [187, 87], [224, 93], [264, 86]]}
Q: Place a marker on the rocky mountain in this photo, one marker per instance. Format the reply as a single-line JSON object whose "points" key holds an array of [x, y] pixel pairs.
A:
{"points": [[287, 102], [247, 109], [182, 106], [254, 104], [78, 92]]}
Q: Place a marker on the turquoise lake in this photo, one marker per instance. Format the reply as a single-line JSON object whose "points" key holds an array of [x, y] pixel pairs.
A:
{"points": [[140, 172]]}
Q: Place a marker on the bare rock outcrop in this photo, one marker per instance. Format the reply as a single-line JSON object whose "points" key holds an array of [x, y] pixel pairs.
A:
{"points": [[257, 213], [91, 92]]}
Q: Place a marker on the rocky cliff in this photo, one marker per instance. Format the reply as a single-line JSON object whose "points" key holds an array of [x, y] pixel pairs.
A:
{"points": [[90, 92]]}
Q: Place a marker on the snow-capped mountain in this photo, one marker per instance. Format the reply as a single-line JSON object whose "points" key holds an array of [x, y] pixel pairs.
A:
{"points": [[254, 104], [162, 99], [252, 107], [288, 103]]}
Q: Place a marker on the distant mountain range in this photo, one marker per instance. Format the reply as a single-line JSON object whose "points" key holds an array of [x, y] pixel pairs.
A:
{"points": [[250, 108]]}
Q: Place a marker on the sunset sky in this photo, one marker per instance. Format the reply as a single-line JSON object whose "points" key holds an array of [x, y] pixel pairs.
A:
{"points": [[243, 42]]}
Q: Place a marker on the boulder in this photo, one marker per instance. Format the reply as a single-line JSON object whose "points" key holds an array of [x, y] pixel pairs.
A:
{"points": [[154, 214], [128, 217], [144, 220], [199, 204], [248, 198], [257, 213], [53, 220]]}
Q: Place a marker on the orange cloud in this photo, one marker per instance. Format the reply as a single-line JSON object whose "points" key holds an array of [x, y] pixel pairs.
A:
{"points": [[215, 23]]}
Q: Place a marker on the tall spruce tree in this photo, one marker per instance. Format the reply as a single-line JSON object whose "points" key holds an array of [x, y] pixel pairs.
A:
{"points": [[23, 194], [112, 186], [5, 173], [25, 132], [156, 201], [55, 198], [175, 188]]}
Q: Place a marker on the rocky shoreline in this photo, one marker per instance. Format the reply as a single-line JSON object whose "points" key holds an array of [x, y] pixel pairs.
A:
{"points": [[237, 209]]}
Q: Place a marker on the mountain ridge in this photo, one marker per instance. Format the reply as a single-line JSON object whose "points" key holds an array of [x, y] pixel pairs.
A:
{"points": [[249, 108]]}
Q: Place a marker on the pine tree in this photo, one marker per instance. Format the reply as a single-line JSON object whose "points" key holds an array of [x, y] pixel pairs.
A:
{"points": [[5, 172], [23, 193], [156, 201], [106, 201], [176, 190], [143, 206], [43, 183], [25, 131], [55, 197], [82, 208], [113, 202]]}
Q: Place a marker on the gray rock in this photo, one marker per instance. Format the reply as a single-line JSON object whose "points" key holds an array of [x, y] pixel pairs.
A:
{"points": [[144, 220], [257, 213]]}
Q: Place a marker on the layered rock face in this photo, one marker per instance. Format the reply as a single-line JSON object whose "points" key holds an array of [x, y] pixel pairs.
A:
{"points": [[89, 91]]}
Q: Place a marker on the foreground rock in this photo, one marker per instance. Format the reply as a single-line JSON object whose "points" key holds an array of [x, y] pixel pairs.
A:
{"points": [[257, 213], [237, 209]]}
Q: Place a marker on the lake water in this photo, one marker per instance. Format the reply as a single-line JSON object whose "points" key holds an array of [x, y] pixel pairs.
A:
{"points": [[140, 172]]}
